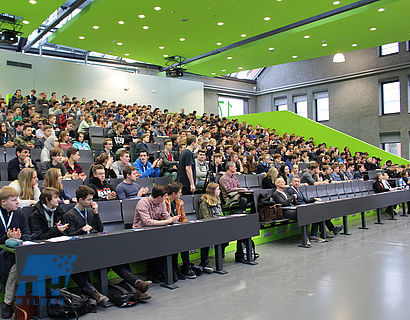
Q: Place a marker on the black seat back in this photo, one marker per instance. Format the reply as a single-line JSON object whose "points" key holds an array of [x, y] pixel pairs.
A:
{"points": [[146, 182], [322, 192], [311, 192], [252, 181], [128, 211], [189, 206], [348, 187], [341, 191], [331, 191]]}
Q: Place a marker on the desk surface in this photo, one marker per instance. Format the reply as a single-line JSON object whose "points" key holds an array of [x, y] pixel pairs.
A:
{"points": [[106, 250]]}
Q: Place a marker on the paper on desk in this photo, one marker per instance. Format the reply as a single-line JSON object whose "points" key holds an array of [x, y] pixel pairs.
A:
{"points": [[29, 243], [58, 239]]}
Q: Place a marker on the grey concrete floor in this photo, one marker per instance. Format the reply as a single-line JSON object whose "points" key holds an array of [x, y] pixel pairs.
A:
{"points": [[362, 276]]}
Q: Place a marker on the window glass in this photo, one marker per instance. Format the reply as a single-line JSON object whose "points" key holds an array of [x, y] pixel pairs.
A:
{"points": [[322, 109], [391, 97], [389, 48], [228, 106], [301, 108], [281, 104]]}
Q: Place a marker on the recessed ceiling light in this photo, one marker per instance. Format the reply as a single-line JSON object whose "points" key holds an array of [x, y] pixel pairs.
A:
{"points": [[324, 44], [26, 21], [243, 35], [271, 49], [219, 43], [223, 70], [96, 27], [32, 1], [229, 58], [220, 23], [141, 16], [294, 57], [213, 73], [278, 0], [381, 9], [266, 18], [165, 55], [240, 68], [161, 47], [181, 39], [306, 36], [157, 8], [354, 45], [81, 37], [145, 27], [121, 22], [373, 29], [336, 3], [119, 43], [126, 54]]}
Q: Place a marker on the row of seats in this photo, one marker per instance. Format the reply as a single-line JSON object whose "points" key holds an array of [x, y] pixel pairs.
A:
{"points": [[8, 154], [250, 181]]}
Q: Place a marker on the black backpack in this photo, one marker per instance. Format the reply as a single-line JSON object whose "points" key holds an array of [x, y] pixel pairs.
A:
{"points": [[122, 294], [63, 304], [241, 253]]}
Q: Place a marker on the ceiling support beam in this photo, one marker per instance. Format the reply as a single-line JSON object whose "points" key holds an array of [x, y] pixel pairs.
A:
{"points": [[66, 13], [318, 17]]}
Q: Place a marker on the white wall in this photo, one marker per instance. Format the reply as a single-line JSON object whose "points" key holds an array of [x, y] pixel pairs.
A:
{"points": [[81, 80]]}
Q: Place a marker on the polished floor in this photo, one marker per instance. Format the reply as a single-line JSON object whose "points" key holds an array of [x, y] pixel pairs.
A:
{"points": [[362, 276]]}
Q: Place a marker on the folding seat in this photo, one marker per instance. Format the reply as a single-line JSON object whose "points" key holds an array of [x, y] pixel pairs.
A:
{"points": [[128, 211], [189, 206], [322, 192], [146, 182], [252, 181], [348, 187], [341, 191], [162, 181], [311, 192], [331, 191]]}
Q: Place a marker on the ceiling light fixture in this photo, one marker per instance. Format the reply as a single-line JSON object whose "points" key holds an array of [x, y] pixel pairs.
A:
{"points": [[339, 57], [121, 22], [126, 54], [181, 39], [32, 1], [354, 45], [165, 55], [119, 43], [324, 44], [240, 68], [243, 35], [306, 36], [96, 27], [157, 8], [336, 3], [81, 37], [266, 18], [220, 23], [145, 27], [141, 16], [213, 73], [373, 29], [294, 57], [161, 47], [223, 70], [219, 43], [381, 9], [279, 0], [229, 58], [26, 21]]}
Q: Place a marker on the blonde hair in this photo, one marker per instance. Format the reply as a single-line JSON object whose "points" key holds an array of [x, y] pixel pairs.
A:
{"points": [[51, 178], [210, 197], [7, 192], [273, 174], [24, 179]]}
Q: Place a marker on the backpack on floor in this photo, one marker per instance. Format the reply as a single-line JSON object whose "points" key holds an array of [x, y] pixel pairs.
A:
{"points": [[122, 294], [241, 252], [63, 304]]}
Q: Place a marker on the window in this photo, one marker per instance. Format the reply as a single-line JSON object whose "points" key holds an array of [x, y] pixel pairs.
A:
{"points": [[390, 142], [301, 106], [280, 104], [322, 106], [228, 106], [246, 74], [391, 97], [389, 48]]}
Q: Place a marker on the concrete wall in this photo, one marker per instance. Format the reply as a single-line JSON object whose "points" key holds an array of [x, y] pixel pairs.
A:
{"points": [[89, 81], [353, 88]]}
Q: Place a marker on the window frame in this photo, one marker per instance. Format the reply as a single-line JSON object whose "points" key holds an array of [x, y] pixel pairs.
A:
{"points": [[382, 83], [316, 97], [388, 54]]}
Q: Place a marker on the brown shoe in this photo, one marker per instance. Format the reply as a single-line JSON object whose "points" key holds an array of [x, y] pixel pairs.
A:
{"points": [[142, 296], [101, 299], [142, 285]]}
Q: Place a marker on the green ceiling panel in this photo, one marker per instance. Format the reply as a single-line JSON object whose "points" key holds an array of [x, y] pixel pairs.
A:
{"points": [[197, 23], [34, 14]]}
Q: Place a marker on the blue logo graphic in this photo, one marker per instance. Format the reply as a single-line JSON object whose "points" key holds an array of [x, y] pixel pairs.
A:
{"points": [[42, 267]]}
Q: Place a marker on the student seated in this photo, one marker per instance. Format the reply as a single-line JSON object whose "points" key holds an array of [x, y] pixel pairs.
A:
{"points": [[13, 225], [72, 166], [102, 189], [21, 161], [119, 165], [129, 188], [80, 144], [145, 168], [27, 187], [56, 156], [175, 207], [268, 181], [26, 139], [53, 179], [169, 166], [202, 169], [106, 161], [382, 185], [84, 219], [210, 207]]}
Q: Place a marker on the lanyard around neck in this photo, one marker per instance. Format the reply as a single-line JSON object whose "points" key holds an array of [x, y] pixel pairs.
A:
{"points": [[6, 226], [81, 214]]}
